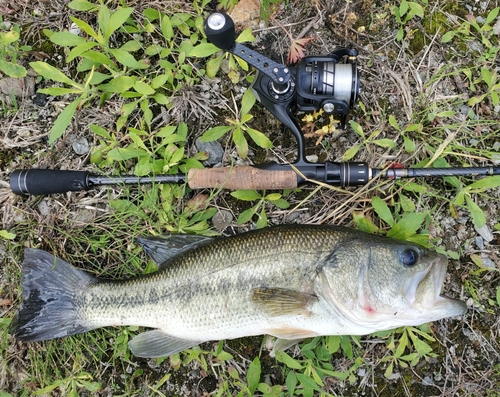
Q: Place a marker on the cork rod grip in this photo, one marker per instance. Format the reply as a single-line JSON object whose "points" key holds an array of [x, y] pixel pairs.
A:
{"points": [[243, 177]]}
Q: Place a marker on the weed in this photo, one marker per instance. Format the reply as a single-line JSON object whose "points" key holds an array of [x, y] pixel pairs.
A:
{"points": [[11, 50], [408, 341], [238, 126], [404, 12], [263, 198], [366, 141]]}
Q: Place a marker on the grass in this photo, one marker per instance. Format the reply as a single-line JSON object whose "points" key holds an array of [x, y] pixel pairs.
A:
{"points": [[430, 95]]}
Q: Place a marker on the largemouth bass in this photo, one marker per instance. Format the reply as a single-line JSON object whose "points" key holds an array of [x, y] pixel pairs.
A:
{"points": [[292, 282]]}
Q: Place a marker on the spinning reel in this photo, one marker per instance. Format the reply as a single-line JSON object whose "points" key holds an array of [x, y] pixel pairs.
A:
{"points": [[316, 82]]}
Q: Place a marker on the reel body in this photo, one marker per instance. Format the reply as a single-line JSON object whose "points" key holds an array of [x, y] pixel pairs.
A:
{"points": [[316, 82]]}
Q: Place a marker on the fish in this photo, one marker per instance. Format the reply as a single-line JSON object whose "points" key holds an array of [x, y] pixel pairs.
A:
{"points": [[290, 281]]}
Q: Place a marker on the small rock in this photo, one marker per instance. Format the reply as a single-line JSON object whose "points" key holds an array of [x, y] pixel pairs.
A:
{"points": [[485, 232], [222, 219], [394, 376], [487, 262], [427, 381], [479, 242], [18, 87], [312, 158], [40, 99], [81, 146], [212, 149], [45, 206]]}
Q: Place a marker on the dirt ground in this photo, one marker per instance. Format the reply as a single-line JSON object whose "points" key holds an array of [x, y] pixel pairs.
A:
{"points": [[406, 79]]}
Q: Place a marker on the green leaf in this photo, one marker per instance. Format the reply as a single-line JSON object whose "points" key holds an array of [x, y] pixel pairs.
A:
{"points": [[159, 81], [394, 123], [385, 143], [290, 362], [100, 131], [119, 84], [403, 343], [400, 34], [63, 120], [142, 88], [351, 152], [215, 133], [498, 295], [246, 195], [116, 20], [416, 9], [161, 99], [98, 57], [487, 77], [363, 223], [7, 235], [12, 69], [357, 128], [273, 196], [247, 101], [166, 28], [281, 203], [259, 138], [245, 36], [203, 50], [476, 212], [291, 382], [56, 91], [85, 27], [409, 144], [382, 210], [253, 375], [49, 72], [307, 382], [122, 154], [213, 66], [67, 39], [407, 226], [246, 215], [492, 15], [82, 5], [403, 8], [80, 49], [126, 58], [421, 347], [9, 37], [240, 142], [488, 182]]}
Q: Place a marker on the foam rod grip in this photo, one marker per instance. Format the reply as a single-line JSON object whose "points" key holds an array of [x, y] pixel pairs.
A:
{"points": [[41, 182], [244, 177]]}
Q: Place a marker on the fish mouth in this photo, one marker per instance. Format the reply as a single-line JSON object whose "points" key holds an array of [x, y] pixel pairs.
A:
{"points": [[423, 292]]}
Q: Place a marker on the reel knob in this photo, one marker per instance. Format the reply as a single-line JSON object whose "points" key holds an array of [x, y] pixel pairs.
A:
{"points": [[220, 30]]}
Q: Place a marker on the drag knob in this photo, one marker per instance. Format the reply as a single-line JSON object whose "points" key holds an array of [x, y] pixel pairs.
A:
{"points": [[220, 31]]}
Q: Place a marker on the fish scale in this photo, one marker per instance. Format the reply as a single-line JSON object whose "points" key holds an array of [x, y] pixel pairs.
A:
{"points": [[292, 282]]}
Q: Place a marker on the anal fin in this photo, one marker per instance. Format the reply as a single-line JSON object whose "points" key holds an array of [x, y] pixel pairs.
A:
{"points": [[156, 343]]}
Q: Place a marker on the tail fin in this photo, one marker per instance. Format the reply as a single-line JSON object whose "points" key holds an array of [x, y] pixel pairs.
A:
{"points": [[50, 289]]}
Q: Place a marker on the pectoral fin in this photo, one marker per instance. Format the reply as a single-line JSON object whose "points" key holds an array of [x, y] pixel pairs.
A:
{"points": [[157, 343], [282, 302]]}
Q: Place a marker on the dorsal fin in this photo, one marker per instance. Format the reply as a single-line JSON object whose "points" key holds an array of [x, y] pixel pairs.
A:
{"points": [[162, 248]]}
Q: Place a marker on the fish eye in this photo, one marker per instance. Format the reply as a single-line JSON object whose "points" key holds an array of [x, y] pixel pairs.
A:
{"points": [[408, 257]]}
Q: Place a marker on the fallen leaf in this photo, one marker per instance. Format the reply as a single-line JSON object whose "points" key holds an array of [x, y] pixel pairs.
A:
{"points": [[297, 48]]}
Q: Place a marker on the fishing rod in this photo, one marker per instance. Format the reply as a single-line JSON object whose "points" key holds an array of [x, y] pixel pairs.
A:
{"points": [[330, 83], [262, 177]]}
